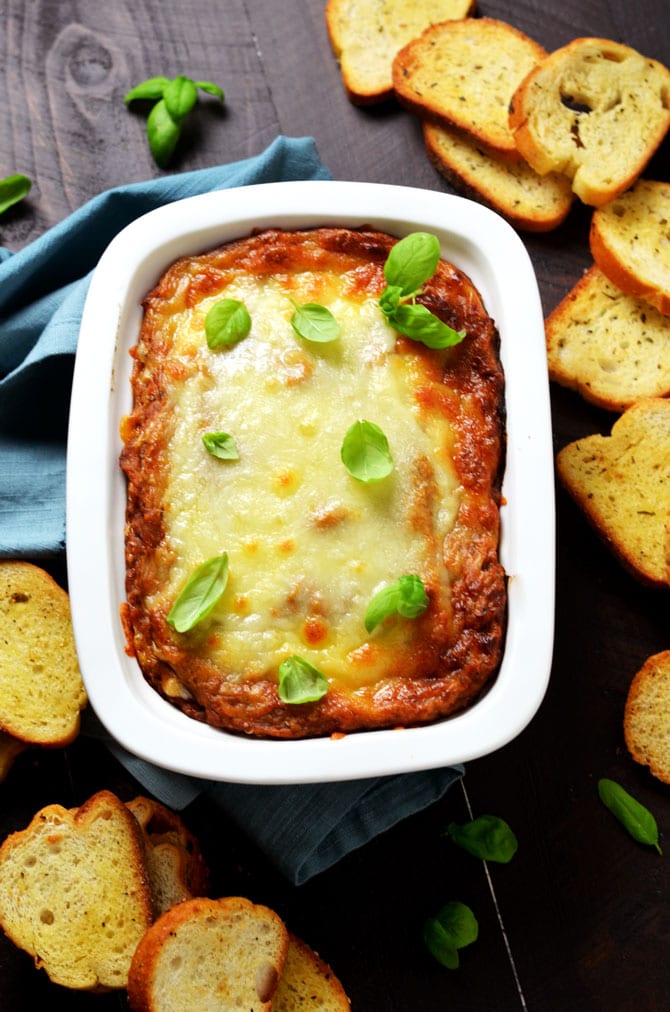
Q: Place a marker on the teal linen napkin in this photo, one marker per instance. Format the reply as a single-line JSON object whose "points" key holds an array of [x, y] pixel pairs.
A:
{"points": [[302, 829]]}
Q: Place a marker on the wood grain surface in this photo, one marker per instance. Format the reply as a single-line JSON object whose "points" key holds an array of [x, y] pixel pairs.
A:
{"points": [[580, 919]]}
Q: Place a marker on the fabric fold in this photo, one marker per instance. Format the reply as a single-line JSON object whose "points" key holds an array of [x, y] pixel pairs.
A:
{"points": [[301, 829]]}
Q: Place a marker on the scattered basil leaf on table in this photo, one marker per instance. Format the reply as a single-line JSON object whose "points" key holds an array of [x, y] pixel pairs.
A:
{"points": [[227, 322], [200, 593], [300, 681], [407, 597], [175, 98], [12, 190], [487, 837], [632, 815], [180, 95], [365, 452], [411, 262], [451, 929], [162, 134], [211, 89], [315, 323], [221, 445], [151, 89]]}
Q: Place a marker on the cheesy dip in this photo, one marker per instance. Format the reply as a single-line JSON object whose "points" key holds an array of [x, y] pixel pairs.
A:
{"points": [[298, 543]]}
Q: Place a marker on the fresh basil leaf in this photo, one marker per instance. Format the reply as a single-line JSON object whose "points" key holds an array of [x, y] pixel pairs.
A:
{"points": [[211, 89], [12, 190], [365, 452], [226, 323], [200, 593], [152, 88], [487, 837], [407, 597], [162, 133], [315, 323], [300, 681], [420, 324], [220, 445], [633, 816], [180, 95], [451, 929], [389, 300], [412, 261]]}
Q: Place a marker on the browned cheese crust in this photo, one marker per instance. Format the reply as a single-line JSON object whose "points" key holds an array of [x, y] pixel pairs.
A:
{"points": [[450, 652]]}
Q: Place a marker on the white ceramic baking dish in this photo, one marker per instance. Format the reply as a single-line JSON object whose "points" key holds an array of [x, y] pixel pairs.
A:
{"points": [[483, 245]]}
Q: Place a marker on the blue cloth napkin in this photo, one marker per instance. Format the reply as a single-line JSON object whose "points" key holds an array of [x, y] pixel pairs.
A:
{"points": [[302, 829]]}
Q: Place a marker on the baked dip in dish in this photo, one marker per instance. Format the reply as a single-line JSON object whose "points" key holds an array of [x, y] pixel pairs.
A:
{"points": [[304, 544], [236, 454]]}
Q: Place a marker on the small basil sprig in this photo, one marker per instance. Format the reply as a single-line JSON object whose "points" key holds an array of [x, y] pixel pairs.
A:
{"points": [[407, 596], [451, 929], [633, 816], [201, 592], [487, 837], [365, 452], [12, 190], [227, 322], [221, 445], [300, 681], [315, 323], [411, 262], [175, 98]]}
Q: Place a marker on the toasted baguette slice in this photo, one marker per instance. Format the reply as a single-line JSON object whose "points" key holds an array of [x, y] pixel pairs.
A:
{"points": [[202, 954], [630, 242], [74, 892], [611, 348], [177, 869], [622, 483], [308, 982], [647, 716], [41, 689], [463, 74], [595, 110], [365, 36], [530, 202], [9, 749]]}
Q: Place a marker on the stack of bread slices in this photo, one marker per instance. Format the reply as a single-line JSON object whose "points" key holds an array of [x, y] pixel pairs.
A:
{"points": [[111, 896], [529, 133]]}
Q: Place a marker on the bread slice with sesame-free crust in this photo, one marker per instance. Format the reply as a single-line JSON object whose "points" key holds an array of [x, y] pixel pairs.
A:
{"points": [[209, 953], [41, 688], [530, 202], [622, 483], [647, 716], [595, 110], [610, 347], [365, 36], [630, 242], [74, 892], [462, 74]]}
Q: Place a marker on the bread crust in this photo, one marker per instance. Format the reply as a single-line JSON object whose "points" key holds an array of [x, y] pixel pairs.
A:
{"points": [[595, 110], [194, 933], [451, 651], [612, 348], [530, 202], [365, 35], [621, 484], [628, 240], [462, 74], [647, 716]]}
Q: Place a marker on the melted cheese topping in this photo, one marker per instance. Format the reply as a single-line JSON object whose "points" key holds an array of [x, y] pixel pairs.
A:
{"points": [[308, 544]]}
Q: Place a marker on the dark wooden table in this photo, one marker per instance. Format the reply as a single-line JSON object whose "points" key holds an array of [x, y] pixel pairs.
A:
{"points": [[580, 918]]}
